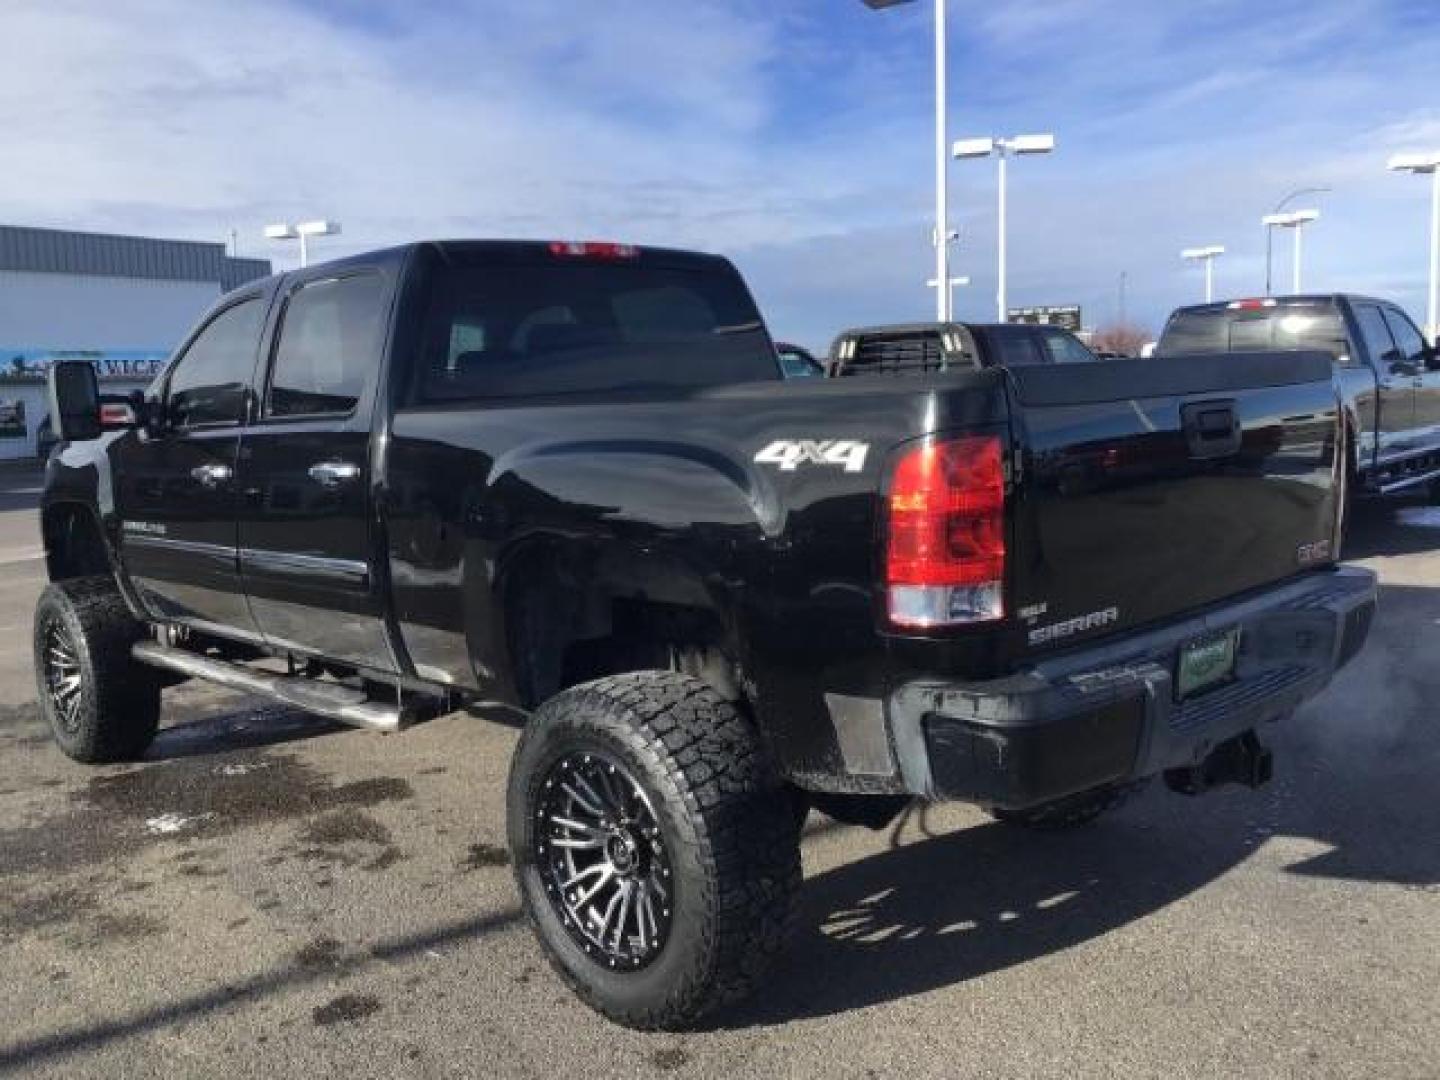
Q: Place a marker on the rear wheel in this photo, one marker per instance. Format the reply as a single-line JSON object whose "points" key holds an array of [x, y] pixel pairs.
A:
{"points": [[655, 847], [1074, 810], [100, 703]]}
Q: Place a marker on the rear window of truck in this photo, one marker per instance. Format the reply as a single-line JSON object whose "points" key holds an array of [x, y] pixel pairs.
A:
{"points": [[584, 327], [1261, 329]]}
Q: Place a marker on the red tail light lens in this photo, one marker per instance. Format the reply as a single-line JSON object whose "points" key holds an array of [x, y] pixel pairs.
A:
{"points": [[945, 549], [593, 249]]}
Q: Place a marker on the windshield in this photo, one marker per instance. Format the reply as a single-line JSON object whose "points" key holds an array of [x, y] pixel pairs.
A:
{"points": [[1304, 325]]}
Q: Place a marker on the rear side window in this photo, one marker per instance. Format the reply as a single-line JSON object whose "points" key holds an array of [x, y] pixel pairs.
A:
{"points": [[1407, 338], [328, 347], [1261, 329], [1373, 332], [537, 329], [1065, 349], [1013, 346], [209, 382]]}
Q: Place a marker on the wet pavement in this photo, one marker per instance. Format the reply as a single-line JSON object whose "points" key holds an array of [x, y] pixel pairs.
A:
{"points": [[269, 894]]}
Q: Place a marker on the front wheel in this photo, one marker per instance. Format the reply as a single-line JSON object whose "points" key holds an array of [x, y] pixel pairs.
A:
{"points": [[102, 706], [654, 846]]}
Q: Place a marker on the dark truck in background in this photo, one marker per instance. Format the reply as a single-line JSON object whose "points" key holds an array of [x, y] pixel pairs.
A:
{"points": [[570, 478], [1388, 377], [915, 348]]}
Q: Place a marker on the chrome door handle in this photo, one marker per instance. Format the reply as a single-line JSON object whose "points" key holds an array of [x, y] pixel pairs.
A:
{"points": [[211, 476], [332, 474]]}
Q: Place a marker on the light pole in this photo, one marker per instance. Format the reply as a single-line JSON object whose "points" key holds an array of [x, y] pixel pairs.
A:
{"points": [[1297, 220], [942, 253], [1002, 149], [1207, 255], [955, 282], [1270, 232], [1420, 165], [286, 231]]}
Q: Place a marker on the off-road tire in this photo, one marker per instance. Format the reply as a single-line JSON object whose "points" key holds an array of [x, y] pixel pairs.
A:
{"points": [[727, 826], [1072, 811], [117, 710]]}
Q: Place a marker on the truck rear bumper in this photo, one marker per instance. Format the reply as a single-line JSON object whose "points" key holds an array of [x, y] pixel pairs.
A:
{"points": [[1111, 713]]}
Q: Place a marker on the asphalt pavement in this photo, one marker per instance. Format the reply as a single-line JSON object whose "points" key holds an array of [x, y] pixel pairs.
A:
{"points": [[271, 895]]}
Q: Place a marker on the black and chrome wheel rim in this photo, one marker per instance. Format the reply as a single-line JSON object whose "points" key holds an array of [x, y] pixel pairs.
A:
{"points": [[602, 860], [63, 680]]}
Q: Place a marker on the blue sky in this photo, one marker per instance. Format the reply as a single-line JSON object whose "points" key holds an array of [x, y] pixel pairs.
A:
{"points": [[794, 137]]}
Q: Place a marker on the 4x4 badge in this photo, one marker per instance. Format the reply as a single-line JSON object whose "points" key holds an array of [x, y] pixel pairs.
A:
{"points": [[790, 454]]}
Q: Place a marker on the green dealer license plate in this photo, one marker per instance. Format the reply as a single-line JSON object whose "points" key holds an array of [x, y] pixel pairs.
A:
{"points": [[1206, 662]]}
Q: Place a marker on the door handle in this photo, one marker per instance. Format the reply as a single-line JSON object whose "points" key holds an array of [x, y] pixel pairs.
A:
{"points": [[211, 476], [332, 474]]}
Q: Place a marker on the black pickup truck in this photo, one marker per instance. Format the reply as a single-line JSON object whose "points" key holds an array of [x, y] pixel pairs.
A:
{"points": [[569, 477], [1388, 377], [915, 348]]}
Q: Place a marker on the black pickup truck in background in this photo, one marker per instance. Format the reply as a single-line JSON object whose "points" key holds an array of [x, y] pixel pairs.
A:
{"points": [[915, 348], [1388, 377], [570, 477]]}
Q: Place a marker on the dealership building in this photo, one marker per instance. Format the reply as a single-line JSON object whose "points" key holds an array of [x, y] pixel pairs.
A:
{"points": [[122, 302]]}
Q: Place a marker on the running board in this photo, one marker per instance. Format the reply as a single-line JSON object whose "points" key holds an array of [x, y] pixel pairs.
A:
{"points": [[325, 699]]}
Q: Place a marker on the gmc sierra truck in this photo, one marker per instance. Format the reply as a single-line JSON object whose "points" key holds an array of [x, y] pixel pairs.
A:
{"points": [[1388, 377], [569, 477]]}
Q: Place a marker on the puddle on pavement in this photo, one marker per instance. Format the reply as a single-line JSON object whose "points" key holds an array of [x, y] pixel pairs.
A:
{"points": [[115, 814]]}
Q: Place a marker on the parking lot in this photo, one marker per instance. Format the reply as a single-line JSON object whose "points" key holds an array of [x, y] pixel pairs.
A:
{"points": [[269, 894]]}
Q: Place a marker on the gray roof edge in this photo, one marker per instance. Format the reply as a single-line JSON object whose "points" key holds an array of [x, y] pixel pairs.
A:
{"points": [[59, 251]]}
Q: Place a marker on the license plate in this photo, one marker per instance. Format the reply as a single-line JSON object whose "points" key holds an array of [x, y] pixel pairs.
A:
{"points": [[1206, 662]]}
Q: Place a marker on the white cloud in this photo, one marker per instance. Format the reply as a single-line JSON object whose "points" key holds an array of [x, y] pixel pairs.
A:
{"points": [[785, 135]]}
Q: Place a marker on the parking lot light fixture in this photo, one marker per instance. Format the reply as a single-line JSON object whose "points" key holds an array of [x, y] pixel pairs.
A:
{"points": [[1423, 165], [1270, 231], [985, 146], [1296, 220], [1208, 255], [955, 283], [302, 231], [942, 214]]}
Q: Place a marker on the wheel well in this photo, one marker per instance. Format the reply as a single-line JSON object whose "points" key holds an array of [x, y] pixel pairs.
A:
{"points": [[570, 619], [74, 545]]}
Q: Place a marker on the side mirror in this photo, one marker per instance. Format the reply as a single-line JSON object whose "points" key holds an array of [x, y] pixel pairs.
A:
{"points": [[1397, 364], [74, 400]]}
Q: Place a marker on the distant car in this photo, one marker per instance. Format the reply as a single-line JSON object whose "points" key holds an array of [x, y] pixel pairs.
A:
{"points": [[45, 439], [961, 346], [797, 362]]}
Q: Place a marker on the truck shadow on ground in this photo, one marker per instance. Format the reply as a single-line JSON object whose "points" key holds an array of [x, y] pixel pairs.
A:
{"points": [[252, 728], [1408, 526], [1356, 773]]}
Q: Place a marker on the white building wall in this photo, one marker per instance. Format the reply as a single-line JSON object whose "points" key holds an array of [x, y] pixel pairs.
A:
{"points": [[65, 311]]}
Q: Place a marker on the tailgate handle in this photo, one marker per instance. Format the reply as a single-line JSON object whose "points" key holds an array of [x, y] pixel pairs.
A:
{"points": [[1212, 429]]}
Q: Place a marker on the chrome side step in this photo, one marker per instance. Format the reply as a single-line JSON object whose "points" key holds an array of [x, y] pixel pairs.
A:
{"points": [[1409, 481], [325, 699]]}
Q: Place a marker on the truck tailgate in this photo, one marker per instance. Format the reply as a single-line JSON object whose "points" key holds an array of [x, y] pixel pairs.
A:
{"points": [[1149, 490]]}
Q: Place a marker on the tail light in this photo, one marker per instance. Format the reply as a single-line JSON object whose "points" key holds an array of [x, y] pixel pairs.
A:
{"points": [[592, 249], [945, 548]]}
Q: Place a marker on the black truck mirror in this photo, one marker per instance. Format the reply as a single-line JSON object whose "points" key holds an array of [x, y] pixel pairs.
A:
{"points": [[74, 399]]}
